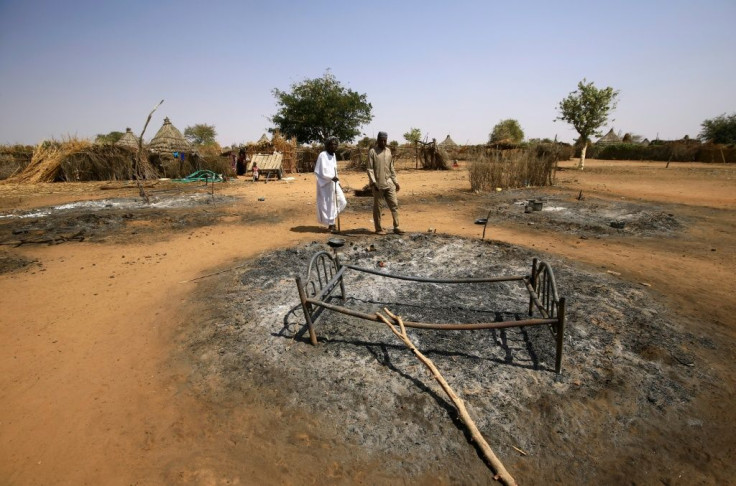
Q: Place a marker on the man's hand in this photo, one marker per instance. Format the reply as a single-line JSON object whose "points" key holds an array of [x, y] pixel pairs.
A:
{"points": [[335, 179], [398, 187]]}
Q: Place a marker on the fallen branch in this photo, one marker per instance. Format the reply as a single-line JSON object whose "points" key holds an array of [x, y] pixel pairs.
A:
{"points": [[501, 473], [213, 274]]}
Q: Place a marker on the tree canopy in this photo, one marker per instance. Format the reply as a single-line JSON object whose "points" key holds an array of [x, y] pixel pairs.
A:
{"points": [[315, 109], [413, 136], [200, 134], [110, 138], [507, 130], [587, 110], [721, 129]]}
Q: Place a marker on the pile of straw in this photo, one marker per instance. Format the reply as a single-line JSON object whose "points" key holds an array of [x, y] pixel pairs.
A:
{"points": [[14, 158], [79, 160], [511, 169], [433, 157], [288, 148]]}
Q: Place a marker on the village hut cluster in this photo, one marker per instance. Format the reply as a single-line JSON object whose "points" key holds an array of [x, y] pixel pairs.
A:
{"points": [[168, 155]]}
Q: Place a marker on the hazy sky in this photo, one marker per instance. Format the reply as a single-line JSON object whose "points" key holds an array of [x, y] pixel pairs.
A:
{"points": [[79, 68]]}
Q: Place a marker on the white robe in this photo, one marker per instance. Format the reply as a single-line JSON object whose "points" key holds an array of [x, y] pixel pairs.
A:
{"points": [[325, 170]]}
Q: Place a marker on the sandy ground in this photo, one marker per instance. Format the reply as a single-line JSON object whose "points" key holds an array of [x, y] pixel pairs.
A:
{"points": [[95, 384]]}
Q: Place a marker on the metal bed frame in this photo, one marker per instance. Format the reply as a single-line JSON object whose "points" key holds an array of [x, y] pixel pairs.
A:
{"points": [[326, 273]]}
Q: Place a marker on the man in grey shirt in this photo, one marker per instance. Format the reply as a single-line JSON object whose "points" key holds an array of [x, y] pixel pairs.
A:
{"points": [[382, 178]]}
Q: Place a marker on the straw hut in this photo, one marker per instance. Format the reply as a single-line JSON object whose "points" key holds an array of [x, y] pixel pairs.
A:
{"points": [[169, 139], [128, 140], [609, 138], [448, 143], [263, 140]]}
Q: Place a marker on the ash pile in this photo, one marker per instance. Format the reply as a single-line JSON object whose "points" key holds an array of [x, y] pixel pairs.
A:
{"points": [[625, 384]]}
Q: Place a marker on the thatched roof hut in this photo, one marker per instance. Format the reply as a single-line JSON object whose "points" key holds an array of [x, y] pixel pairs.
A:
{"points": [[169, 139], [263, 139], [609, 138], [448, 143], [128, 140]]}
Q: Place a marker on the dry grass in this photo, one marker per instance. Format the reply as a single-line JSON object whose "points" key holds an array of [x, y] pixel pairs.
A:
{"points": [[511, 169], [13, 159], [80, 160]]}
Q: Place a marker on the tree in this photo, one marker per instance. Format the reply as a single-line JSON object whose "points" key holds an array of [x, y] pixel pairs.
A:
{"points": [[413, 136], [110, 138], [587, 110], [507, 131], [201, 134], [366, 142], [318, 108], [721, 129]]}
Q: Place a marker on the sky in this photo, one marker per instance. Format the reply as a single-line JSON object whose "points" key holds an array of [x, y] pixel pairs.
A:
{"points": [[81, 68]]}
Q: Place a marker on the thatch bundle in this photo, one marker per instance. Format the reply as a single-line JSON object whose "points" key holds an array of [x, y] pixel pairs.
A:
{"points": [[169, 139], [76, 160], [14, 158], [128, 140], [288, 149], [433, 157], [511, 169], [307, 158], [290, 161]]}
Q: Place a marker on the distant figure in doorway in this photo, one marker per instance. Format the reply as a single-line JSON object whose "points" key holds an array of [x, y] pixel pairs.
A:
{"points": [[240, 163], [382, 178], [330, 198]]}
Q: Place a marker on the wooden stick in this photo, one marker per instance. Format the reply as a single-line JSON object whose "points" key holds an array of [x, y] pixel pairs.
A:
{"points": [[501, 473]]}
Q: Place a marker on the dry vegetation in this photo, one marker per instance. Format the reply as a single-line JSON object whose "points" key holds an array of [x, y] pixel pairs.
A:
{"points": [[511, 169]]}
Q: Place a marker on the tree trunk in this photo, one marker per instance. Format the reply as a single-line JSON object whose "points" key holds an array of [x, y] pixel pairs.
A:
{"points": [[581, 165]]}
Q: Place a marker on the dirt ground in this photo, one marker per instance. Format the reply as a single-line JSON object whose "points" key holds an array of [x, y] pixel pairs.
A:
{"points": [[116, 367]]}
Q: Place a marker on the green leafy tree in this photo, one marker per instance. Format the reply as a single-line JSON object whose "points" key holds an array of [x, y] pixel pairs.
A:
{"points": [[201, 134], [587, 110], [413, 136], [318, 108], [507, 130], [110, 138], [721, 129], [366, 142]]}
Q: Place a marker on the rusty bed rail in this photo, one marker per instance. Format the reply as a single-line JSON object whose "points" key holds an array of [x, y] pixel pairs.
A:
{"points": [[325, 273]]}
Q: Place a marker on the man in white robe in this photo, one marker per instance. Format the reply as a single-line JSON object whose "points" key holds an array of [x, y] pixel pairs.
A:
{"points": [[330, 198]]}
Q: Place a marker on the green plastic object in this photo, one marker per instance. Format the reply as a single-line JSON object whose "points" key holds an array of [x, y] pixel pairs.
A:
{"points": [[202, 176]]}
